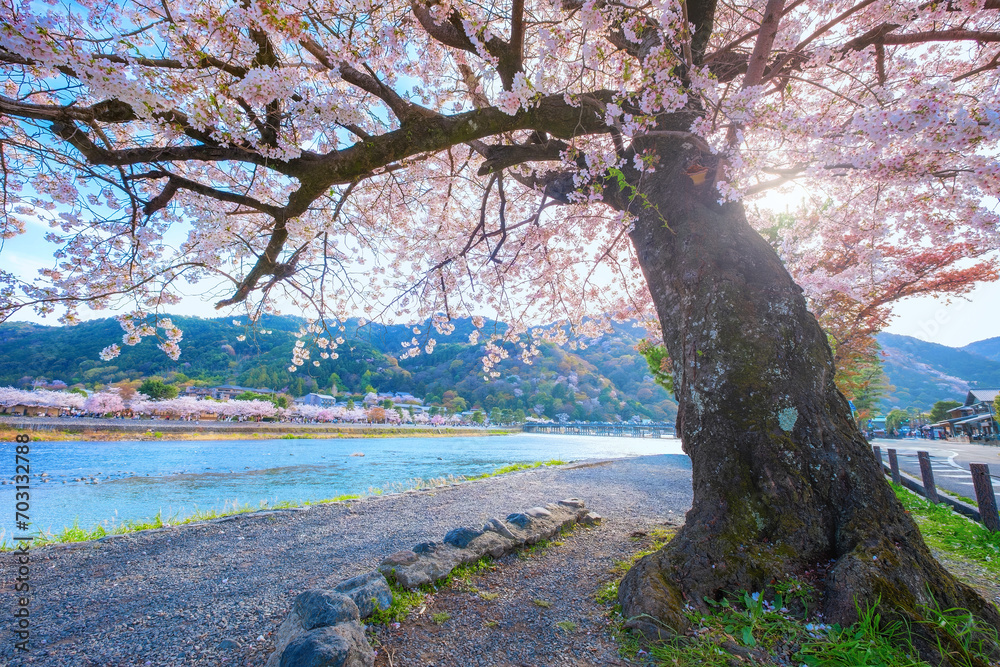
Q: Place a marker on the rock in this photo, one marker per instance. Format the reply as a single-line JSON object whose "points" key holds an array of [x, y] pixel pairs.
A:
{"points": [[461, 537], [520, 520], [312, 609], [591, 519], [538, 513], [575, 503], [491, 544], [497, 526], [428, 567], [426, 548], [370, 592], [400, 558], [319, 608], [227, 645], [342, 645]]}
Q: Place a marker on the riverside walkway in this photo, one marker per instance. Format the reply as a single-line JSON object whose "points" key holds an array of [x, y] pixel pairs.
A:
{"points": [[655, 430]]}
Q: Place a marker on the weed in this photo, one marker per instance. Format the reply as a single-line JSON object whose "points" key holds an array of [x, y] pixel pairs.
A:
{"points": [[566, 626], [490, 624], [441, 617], [544, 604], [403, 602], [487, 595], [607, 593], [960, 635]]}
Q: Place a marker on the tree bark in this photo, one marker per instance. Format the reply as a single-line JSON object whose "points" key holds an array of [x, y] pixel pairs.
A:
{"points": [[784, 483]]}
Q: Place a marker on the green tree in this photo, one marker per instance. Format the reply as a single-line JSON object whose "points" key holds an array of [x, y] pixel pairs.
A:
{"points": [[895, 419], [478, 417], [157, 389], [940, 410]]}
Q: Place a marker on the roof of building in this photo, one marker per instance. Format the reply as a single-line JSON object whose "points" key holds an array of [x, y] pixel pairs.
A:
{"points": [[982, 395]]}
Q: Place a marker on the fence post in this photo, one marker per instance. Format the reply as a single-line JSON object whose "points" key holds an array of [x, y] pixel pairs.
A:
{"points": [[894, 466], [984, 496], [930, 491], [878, 456]]}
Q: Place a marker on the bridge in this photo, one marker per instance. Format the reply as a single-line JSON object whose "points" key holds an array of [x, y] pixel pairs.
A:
{"points": [[656, 430]]}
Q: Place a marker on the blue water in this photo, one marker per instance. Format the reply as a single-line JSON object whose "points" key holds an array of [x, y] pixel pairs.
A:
{"points": [[137, 480]]}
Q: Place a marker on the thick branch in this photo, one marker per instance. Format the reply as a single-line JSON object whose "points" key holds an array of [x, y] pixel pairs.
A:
{"points": [[765, 40], [501, 157]]}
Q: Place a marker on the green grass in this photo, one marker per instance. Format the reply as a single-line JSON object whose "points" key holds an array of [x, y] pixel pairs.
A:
{"points": [[441, 617], [514, 467], [953, 533], [404, 601], [544, 604], [568, 627]]}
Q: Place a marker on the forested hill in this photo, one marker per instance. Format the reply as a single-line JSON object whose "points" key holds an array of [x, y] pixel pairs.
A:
{"points": [[989, 348], [605, 380], [923, 372]]}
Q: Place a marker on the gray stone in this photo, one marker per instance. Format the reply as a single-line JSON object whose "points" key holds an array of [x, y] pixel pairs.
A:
{"points": [[538, 513], [460, 537], [575, 503], [591, 519], [227, 645], [342, 645], [426, 548], [497, 526], [370, 592], [319, 608], [426, 569], [491, 544], [399, 558], [312, 609], [520, 520]]}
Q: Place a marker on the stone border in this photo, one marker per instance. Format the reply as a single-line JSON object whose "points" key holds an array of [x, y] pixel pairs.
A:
{"points": [[323, 628]]}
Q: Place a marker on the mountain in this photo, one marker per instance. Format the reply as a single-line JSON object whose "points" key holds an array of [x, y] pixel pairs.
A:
{"points": [[923, 372], [989, 348], [603, 379]]}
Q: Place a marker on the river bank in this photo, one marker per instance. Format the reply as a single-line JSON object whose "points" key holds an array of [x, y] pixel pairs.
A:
{"points": [[45, 429], [213, 593]]}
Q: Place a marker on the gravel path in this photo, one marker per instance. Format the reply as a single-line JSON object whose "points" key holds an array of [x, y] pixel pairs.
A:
{"points": [[171, 597]]}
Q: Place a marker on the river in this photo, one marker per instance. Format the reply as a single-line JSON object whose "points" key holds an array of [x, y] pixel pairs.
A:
{"points": [[109, 483]]}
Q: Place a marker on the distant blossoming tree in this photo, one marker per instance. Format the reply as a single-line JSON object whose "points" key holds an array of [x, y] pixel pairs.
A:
{"points": [[552, 161]]}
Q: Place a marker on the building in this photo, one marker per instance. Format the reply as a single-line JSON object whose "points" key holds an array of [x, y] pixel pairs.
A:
{"points": [[974, 420], [227, 391], [318, 400]]}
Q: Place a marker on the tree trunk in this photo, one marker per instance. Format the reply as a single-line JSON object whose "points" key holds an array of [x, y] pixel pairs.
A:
{"points": [[784, 483]]}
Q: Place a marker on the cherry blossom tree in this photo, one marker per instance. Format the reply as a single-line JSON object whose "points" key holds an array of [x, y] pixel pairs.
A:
{"points": [[42, 398], [560, 162], [104, 403]]}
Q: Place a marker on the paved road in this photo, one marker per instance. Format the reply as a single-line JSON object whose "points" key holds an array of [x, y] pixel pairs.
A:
{"points": [[949, 459]]}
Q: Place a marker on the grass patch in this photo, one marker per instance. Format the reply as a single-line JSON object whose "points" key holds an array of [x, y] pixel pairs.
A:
{"points": [[404, 601], [566, 626], [607, 593], [487, 595], [953, 533], [660, 537], [544, 604], [514, 467], [441, 617]]}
